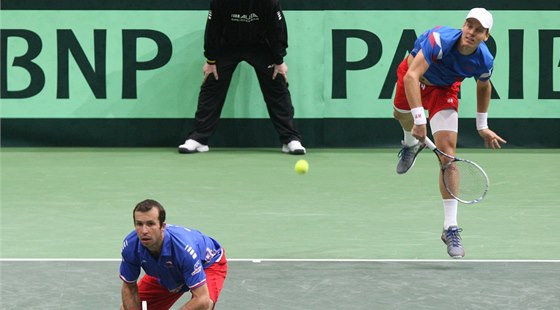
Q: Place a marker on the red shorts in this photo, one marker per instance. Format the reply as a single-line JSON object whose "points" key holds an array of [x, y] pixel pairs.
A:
{"points": [[158, 297], [434, 98]]}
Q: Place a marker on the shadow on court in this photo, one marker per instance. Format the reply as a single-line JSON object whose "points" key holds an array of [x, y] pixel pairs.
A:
{"points": [[304, 285]]}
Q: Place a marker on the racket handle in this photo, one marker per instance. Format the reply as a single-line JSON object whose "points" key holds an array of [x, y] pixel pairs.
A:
{"points": [[429, 144]]}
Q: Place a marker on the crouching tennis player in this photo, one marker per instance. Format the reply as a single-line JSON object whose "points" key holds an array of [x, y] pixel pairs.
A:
{"points": [[175, 260]]}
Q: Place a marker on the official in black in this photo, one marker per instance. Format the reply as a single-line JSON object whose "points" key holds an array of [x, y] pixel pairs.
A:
{"points": [[253, 31]]}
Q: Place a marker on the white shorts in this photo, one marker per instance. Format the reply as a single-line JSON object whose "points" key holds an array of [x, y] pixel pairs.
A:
{"points": [[445, 120]]}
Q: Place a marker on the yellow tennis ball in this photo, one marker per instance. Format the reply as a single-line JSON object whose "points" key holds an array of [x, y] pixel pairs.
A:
{"points": [[302, 166]]}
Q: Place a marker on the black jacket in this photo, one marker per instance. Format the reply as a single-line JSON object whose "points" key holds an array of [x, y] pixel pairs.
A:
{"points": [[244, 25]]}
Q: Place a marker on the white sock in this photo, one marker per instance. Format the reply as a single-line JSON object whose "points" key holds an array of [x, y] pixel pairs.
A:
{"points": [[450, 213], [409, 140]]}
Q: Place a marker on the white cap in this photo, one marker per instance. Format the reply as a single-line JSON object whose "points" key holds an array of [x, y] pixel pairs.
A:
{"points": [[483, 16]]}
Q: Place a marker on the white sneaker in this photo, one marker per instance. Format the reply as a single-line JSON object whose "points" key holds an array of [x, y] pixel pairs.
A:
{"points": [[294, 147], [192, 146]]}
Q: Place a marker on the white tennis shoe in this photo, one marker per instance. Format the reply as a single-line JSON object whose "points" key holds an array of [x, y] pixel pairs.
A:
{"points": [[294, 148], [192, 146]]}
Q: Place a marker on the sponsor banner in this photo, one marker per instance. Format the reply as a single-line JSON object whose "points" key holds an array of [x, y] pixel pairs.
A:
{"points": [[148, 64]]}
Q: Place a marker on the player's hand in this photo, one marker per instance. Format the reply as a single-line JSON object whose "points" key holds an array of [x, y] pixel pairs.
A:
{"points": [[281, 69], [419, 132], [208, 69], [491, 139]]}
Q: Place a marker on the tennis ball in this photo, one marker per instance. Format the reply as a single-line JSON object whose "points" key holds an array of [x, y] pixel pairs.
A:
{"points": [[302, 166]]}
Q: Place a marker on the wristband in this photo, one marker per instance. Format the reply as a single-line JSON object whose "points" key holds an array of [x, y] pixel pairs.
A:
{"points": [[210, 62], [418, 116], [481, 121]]}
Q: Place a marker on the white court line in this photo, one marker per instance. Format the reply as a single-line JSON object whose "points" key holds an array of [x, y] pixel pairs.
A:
{"points": [[259, 260]]}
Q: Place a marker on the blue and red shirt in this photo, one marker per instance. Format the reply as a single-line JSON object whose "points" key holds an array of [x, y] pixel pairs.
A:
{"points": [[184, 254], [447, 65]]}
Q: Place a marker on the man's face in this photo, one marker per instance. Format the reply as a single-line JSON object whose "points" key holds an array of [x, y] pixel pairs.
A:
{"points": [[148, 229], [473, 33]]}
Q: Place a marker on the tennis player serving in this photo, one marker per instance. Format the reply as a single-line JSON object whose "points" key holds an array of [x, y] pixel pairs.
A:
{"points": [[430, 79]]}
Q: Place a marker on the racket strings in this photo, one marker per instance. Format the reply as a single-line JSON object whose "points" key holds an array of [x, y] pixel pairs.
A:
{"points": [[465, 181]]}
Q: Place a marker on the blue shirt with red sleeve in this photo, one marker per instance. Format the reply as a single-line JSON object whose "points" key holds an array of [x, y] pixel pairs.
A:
{"points": [[184, 254], [447, 65]]}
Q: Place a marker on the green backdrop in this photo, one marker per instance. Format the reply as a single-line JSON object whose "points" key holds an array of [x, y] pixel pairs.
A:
{"points": [[84, 64]]}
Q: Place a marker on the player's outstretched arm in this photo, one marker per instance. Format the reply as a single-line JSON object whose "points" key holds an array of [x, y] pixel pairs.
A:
{"points": [[130, 299], [483, 92]]}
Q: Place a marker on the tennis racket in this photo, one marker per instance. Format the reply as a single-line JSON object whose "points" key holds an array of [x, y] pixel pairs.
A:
{"points": [[463, 179]]}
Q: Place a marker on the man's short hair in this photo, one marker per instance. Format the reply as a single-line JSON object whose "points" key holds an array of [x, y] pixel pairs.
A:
{"points": [[147, 205]]}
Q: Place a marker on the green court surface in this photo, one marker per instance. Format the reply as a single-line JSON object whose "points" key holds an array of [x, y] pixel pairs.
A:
{"points": [[350, 234]]}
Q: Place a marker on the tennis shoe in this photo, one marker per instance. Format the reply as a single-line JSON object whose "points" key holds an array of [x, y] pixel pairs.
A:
{"points": [[294, 148], [192, 146], [408, 155], [452, 239]]}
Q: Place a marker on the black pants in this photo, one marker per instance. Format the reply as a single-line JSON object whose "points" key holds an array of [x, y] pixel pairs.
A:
{"points": [[275, 92]]}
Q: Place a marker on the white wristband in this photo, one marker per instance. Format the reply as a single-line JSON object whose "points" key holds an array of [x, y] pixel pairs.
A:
{"points": [[418, 116], [481, 121]]}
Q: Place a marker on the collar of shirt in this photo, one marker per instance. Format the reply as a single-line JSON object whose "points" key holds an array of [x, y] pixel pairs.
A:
{"points": [[165, 253]]}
